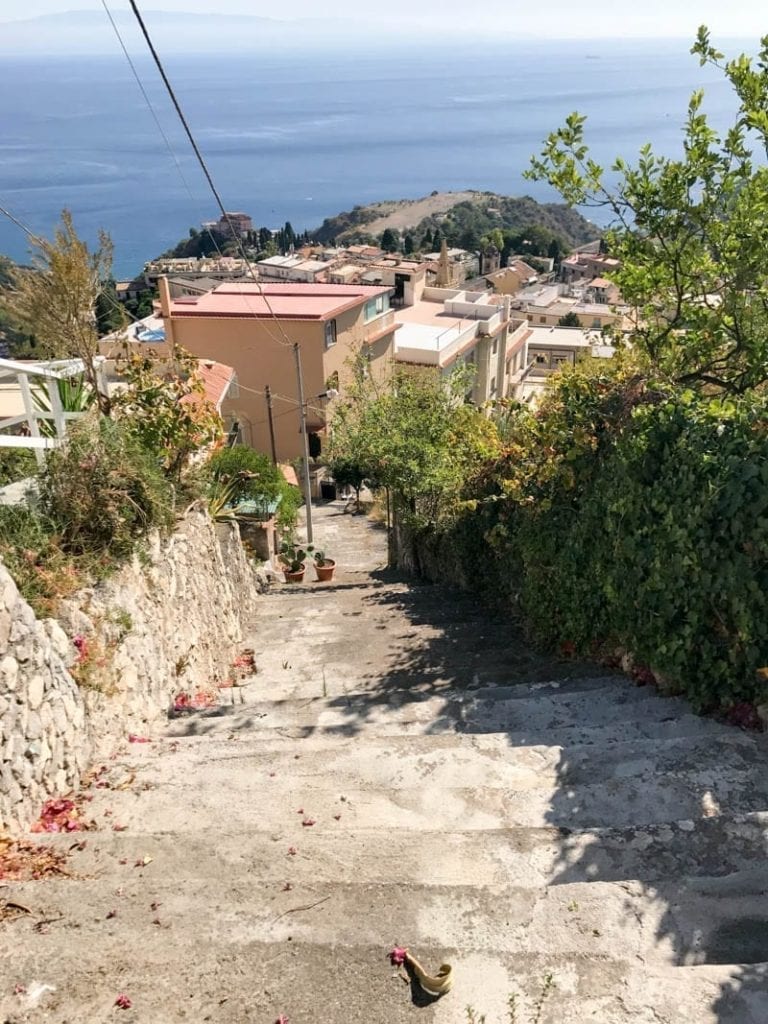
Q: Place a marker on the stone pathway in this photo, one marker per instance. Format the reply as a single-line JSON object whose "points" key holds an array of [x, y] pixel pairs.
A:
{"points": [[468, 799]]}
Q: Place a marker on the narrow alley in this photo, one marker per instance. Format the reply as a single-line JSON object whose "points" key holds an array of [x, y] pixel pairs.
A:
{"points": [[405, 771]]}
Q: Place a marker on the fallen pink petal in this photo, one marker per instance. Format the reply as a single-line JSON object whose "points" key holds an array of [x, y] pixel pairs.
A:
{"points": [[132, 738], [292, 851], [398, 956], [282, 1019], [307, 822], [123, 1002], [111, 914]]}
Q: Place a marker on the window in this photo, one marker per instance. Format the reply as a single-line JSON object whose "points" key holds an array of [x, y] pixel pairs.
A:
{"points": [[375, 307], [542, 319], [330, 333], [493, 385], [495, 346]]}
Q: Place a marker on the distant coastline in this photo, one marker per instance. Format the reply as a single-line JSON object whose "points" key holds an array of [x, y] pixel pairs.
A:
{"points": [[276, 132]]}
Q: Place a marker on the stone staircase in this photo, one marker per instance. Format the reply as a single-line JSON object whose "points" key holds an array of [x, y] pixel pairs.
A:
{"points": [[470, 799]]}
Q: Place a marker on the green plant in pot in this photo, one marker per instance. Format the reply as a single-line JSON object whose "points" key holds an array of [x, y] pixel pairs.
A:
{"points": [[292, 561], [324, 567]]}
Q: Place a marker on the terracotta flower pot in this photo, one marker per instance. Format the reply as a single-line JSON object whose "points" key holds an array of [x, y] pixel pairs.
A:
{"points": [[294, 577], [325, 571]]}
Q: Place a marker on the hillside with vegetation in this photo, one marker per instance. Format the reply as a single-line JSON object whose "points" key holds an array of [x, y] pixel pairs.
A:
{"points": [[463, 219], [14, 340]]}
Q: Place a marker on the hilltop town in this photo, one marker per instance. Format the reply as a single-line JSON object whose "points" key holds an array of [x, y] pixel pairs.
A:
{"points": [[513, 315]]}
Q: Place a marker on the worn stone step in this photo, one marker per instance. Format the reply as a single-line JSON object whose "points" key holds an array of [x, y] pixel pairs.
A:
{"points": [[652, 720], [172, 976], [420, 689], [444, 761], [729, 846], [269, 804], [699, 921]]}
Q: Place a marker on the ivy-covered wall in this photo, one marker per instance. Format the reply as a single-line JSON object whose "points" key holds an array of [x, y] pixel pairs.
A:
{"points": [[623, 521]]}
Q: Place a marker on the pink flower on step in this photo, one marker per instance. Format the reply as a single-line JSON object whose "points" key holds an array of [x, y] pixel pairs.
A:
{"points": [[282, 1019], [123, 1002], [308, 822], [398, 956], [292, 851]]}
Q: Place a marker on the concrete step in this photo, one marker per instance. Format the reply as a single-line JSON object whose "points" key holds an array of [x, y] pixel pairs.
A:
{"points": [[517, 857], [442, 761], [649, 719], [269, 805], [172, 976], [686, 923]]}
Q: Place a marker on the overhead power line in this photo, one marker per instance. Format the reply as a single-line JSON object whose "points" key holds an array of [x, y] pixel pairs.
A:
{"points": [[225, 216], [204, 167]]}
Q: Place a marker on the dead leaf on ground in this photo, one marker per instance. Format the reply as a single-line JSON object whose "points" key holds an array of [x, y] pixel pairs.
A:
{"points": [[23, 861]]}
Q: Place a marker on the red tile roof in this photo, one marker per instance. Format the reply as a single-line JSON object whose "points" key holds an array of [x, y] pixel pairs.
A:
{"points": [[286, 301], [216, 378]]}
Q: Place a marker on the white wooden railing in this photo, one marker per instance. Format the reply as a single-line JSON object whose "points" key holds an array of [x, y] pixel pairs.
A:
{"points": [[46, 376]]}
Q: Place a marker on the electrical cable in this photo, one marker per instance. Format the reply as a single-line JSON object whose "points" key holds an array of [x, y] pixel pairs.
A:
{"points": [[204, 167], [145, 94]]}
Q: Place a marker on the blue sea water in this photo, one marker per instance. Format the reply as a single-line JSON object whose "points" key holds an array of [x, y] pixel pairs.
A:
{"points": [[298, 137]]}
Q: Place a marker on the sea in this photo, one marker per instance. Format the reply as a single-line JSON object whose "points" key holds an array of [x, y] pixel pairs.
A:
{"points": [[298, 137]]}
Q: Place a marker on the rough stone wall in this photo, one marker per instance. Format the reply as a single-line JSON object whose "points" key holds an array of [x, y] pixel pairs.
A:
{"points": [[169, 622], [44, 742]]}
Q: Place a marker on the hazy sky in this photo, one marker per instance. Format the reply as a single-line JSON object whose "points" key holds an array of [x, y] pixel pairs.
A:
{"points": [[562, 18]]}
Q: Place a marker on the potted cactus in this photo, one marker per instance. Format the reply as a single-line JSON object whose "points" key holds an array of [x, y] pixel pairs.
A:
{"points": [[324, 567], [292, 561]]}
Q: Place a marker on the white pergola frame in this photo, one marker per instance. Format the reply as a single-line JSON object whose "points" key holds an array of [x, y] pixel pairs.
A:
{"points": [[48, 373]]}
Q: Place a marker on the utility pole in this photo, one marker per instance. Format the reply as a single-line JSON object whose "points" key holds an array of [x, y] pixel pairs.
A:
{"points": [[305, 440], [268, 395]]}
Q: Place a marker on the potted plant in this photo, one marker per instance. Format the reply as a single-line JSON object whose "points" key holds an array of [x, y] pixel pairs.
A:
{"points": [[292, 561], [324, 567]]}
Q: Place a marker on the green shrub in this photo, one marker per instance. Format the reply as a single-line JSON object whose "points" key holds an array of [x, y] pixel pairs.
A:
{"points": [[624, 518], [291, 500], [16, 464], [99, 496], [103, 490], [260, 478], [31, 551], [256, 478]]}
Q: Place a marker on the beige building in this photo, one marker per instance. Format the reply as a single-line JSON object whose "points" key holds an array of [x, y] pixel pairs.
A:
{"points": [[406, 278], [448, 328], [253, 328], [513, 278], [219, 268], [293, 268], [548, 350], [545, 306]]}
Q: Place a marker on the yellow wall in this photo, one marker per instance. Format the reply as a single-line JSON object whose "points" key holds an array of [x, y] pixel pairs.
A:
{"points": [[261, 355]]}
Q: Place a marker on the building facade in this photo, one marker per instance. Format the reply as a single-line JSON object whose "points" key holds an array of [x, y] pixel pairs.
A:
{"points": [[253, 328]]}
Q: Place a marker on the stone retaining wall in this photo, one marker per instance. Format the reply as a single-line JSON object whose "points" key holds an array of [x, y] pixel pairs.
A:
{"points": [[168, 623]]}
